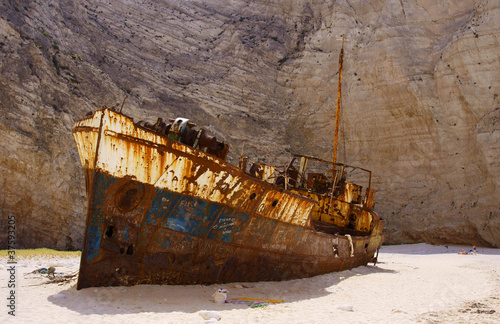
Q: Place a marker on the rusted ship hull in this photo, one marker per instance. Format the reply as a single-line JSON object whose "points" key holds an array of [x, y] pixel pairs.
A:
{"points": [[161, 212]]}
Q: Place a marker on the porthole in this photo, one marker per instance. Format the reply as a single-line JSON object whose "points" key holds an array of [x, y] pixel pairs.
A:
{"points": [[274, 203], [252, 196], [129, 196]]}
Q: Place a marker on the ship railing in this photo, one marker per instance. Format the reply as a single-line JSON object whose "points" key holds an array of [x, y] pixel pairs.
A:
{"points": [[279, 172], [261, 170], [313, 175], [340, 181]]}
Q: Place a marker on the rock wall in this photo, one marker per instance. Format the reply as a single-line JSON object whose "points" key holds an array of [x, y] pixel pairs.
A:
{"points": [[420, 98]]}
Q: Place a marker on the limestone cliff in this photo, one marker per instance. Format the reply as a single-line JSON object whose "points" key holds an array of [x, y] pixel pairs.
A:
{"points": [[420, 98]]}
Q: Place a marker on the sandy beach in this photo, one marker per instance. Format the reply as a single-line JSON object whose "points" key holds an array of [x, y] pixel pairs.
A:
{"points": [[418, 283]]}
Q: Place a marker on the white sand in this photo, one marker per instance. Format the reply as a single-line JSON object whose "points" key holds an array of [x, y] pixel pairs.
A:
{"points": [[417, 283]]}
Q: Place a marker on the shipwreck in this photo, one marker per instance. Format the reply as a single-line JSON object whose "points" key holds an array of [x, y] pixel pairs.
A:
{"points": [[164, 207]]}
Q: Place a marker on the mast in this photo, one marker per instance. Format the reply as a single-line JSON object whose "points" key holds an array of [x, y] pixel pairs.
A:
{"points": [[336, 176], [337, 117]]}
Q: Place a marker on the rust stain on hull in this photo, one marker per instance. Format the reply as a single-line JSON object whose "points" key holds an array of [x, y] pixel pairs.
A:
{"points": [[165, 208]]}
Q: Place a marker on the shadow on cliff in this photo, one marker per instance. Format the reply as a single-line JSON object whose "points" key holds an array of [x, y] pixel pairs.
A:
{"points": [[189, 299]]}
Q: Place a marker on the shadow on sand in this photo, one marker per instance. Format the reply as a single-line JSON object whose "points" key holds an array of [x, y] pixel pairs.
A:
{"points": [[189, 299]]}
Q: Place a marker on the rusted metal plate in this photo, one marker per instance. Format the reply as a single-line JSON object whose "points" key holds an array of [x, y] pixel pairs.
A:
{"points": [[162, 212], [125, 150], [169, 248]]}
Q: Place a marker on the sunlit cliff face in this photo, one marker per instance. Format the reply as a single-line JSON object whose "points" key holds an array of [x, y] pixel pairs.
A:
{"points": [[420, 105]]}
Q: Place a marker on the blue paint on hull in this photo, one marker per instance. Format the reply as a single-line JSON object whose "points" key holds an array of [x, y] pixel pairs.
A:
{"points": [[195, 216], [95, 227], [172, 211]]}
